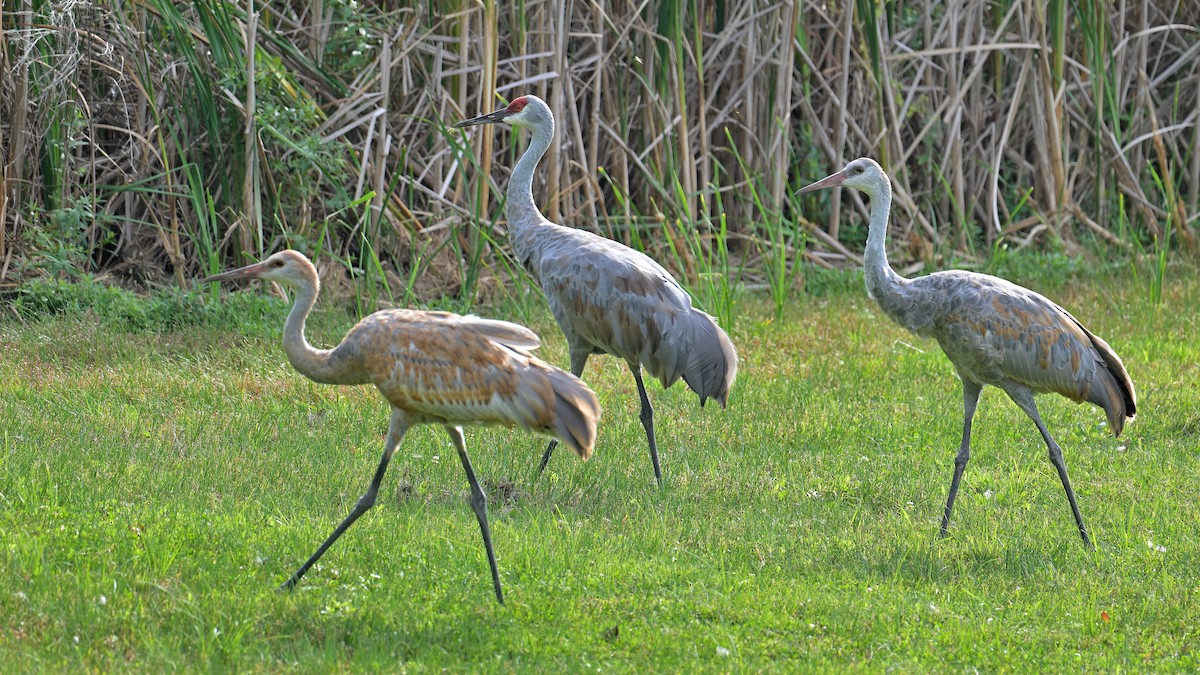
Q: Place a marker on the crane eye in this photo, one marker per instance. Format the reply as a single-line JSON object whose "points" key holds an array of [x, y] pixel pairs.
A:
{"points": [[277, 263]]}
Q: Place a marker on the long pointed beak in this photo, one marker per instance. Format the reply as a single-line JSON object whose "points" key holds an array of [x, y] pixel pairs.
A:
{"points": [[833, 180], [490, 118], [247, 272]]}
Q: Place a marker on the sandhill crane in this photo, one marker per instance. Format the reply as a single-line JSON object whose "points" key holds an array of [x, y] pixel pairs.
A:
{"points": [[994, 332], [606, 297], [433, 368]]}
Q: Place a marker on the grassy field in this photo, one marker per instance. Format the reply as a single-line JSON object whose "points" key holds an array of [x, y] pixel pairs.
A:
{"points": [[156, 487]]}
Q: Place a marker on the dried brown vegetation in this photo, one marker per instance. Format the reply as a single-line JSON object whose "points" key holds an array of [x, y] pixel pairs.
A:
{"points": [[126, 147]]}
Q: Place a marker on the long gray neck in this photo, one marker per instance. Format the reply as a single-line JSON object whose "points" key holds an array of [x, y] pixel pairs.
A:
{"points": [[882, 282], [520, 211], [313, 363]]}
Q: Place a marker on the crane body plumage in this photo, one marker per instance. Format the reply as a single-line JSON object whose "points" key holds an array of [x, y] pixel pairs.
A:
{"points": [[994, 332], [656, 325], [434, 368], [606, 297]]}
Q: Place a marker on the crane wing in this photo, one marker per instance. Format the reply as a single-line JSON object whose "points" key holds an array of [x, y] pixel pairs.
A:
{"points": [[455, 369], [504, 332], [617, 300]]}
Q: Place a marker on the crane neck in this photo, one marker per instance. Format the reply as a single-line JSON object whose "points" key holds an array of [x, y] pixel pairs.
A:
{"points": [[520, 209], [313, 363], [882, 281]]}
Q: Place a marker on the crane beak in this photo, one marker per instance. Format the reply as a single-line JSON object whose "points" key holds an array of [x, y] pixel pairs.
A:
{"points": [[826, 182], [490, 118], [247, 272]]}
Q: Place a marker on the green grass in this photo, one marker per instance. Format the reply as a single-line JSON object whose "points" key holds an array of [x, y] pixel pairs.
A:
{"points": [[156, 487]]}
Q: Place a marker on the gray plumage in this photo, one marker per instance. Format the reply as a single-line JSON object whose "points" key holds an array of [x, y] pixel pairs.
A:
{"points": [[994, 332], [606, 297]]}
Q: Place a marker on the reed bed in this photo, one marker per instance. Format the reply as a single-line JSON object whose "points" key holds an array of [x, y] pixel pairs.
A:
{"points": [[152, 140]]}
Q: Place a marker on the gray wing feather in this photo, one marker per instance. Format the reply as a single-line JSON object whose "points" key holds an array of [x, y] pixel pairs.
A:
{"points": [[609, 298], [994, 330]]}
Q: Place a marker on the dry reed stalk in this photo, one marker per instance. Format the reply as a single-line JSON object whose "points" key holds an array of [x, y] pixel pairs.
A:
{"points": [[18, 129], [1194, 200], [1174, 204], [782, 115], [970, 105], [839, 137], [384, 142], [251, 214], [4, 66]]}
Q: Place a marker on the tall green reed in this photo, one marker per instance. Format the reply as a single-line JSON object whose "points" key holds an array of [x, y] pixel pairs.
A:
{"points": [[780, 247]]}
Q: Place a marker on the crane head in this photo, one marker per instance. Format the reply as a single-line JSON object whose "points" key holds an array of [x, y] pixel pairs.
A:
{"points": [[863, 174], [289, 267], [524, 111]]}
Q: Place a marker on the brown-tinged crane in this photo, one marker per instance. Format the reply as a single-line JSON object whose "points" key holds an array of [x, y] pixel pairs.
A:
{"points": [[433, 368]]}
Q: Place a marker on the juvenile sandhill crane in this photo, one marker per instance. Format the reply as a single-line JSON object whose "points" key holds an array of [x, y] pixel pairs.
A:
{"points": [[433, 368], [606, 297], [994, 332]]}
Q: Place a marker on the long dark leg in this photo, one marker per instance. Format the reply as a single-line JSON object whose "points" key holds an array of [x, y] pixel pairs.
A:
{"points": [[479, 504], [1024, 399], [647, 417], [970, 401], [578, 361], [396, 429]]}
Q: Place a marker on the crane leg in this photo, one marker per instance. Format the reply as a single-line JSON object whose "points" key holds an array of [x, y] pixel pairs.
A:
{"points": [[546, 456], [479, 505], [578, 361], [647, 417], [1025, 401], [396, 429], [971, 392]]}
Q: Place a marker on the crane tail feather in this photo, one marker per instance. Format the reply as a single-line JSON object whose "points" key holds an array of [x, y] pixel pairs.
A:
{"points": [[711, 360], [1117, 395], [576, 412]]}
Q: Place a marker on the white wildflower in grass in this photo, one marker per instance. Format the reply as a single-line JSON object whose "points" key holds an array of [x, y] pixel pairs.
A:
{"points": [[1155, 547], [721, 651]]}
